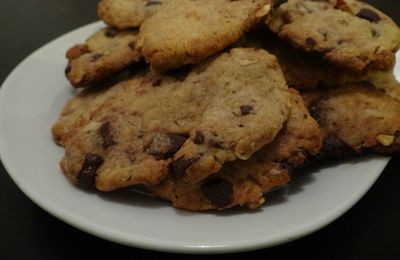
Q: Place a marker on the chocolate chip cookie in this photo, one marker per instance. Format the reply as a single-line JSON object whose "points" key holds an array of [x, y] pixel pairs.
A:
{"points": [[302, 70], [187, 123], [348, 33], [186, 32], [124, 14], [105, 53], [306, 71], [355, 118], [244, 183]]}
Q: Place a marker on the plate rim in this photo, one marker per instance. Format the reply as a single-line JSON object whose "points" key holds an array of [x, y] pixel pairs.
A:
{"points": [[133, 240]]}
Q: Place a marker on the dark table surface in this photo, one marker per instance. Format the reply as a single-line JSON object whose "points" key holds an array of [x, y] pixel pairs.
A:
{"points": [[370, 230]]}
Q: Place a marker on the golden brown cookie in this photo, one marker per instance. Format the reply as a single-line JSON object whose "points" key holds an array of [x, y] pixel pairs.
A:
{"points": [[306, 71], [244, 183], [186, 32], [189, 122], [302, 70], [348, 33], [124, 14], [105, 53], [355, 118]]}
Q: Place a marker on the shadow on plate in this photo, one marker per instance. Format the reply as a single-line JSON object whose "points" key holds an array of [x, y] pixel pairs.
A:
{"points": [[135, 198]]}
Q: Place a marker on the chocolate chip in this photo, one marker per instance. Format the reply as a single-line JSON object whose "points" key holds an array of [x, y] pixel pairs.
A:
{"points": [[369, 15], [287, 17], [153, 2], [96, 56], [216, 141], [285, 166], [334, 147], [131, 46], [106, 135], [165, 145], [397, 134], [181, 73], [89, 170], [198, 138], [111, 32], [176, 142], [68, 69], [375, 33], [246, 109], [310, 42], [157, 83], [178, 168], [277, 3], [218, 191]]}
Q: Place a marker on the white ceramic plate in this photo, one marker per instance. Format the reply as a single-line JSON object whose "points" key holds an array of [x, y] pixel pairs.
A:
{"points": [[30, 101]]}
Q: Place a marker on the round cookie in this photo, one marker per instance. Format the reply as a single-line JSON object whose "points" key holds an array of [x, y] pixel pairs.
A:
{"points": [[125, 14], [105, 53], [305, 71], [355, 118], [186, 32], [189, 122], [244, 183], [350, 34]]}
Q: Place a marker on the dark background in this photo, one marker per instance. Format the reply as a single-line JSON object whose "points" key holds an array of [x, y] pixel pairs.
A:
{"points": [[370, 230]]}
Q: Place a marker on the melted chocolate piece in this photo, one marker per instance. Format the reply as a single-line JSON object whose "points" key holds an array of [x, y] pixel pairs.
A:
{"points": [[310, 42], [198, 138], [178, 168], [277, 3], [157, 83], [218, 191], [164, 145], [106, 135], [89, 170], [246, 109], [369, 15], [111, 32], [153, 2]]}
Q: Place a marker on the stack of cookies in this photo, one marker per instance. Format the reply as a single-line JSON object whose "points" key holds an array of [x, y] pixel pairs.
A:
{"points": [[212, 104]]}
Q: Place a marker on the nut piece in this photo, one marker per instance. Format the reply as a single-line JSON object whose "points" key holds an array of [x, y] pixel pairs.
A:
{"points": [[385, 140], [77, 51]]}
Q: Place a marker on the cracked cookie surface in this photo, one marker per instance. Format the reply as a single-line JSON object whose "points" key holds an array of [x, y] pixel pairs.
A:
{"points": [[189, 122], [307, 71], [105, 53], [244, 183], [186, 32], [355, 118], [348, 33]]}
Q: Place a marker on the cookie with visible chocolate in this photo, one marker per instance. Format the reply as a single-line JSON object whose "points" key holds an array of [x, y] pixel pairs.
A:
{"points": [[186, 32], [105, 53], [349, 34], [306, 71], [125, 14], [302, 70], [188, 123], [245, 183], [355, 118]]}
